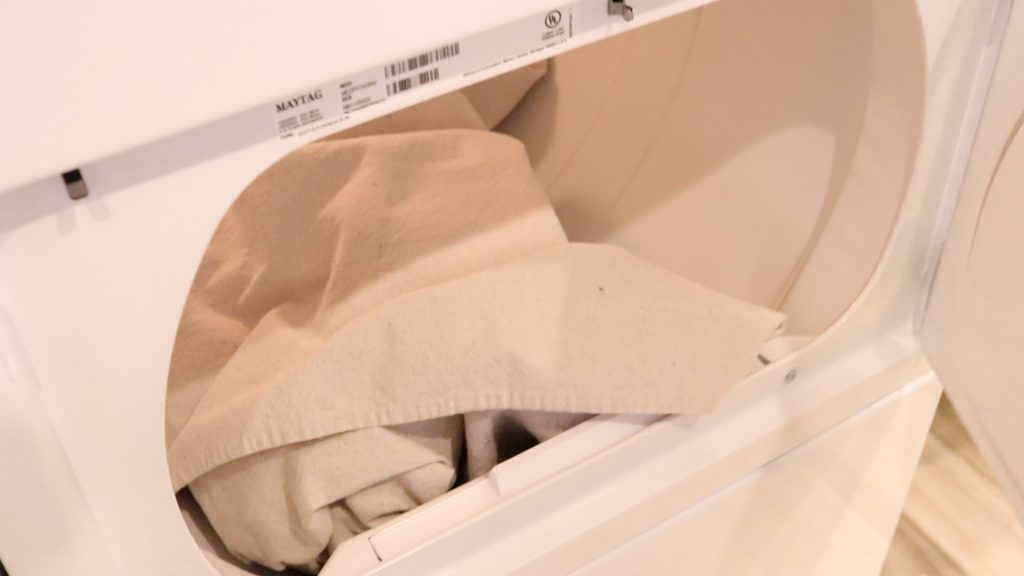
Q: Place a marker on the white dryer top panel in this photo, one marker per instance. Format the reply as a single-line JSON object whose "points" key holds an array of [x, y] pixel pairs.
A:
{"points": [[86, 80]]}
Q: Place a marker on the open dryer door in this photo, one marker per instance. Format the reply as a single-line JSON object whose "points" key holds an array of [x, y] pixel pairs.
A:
{"points": [[973, 329]]}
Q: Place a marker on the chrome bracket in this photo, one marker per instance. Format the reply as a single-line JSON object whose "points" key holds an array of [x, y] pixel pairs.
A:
{"points": [[620, 8]]}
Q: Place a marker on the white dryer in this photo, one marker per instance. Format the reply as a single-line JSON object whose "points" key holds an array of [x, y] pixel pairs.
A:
{"points": [[854, 163]]}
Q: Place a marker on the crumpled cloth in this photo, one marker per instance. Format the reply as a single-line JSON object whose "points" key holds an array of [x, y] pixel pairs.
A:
{"points": [[372, 307]]}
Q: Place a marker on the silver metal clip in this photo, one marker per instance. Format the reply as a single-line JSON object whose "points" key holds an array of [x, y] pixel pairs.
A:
{"points": [[75, 184], [620, 8]]}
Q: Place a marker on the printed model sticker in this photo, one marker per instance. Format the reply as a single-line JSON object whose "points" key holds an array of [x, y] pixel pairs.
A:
{"points": [[330, 107]]}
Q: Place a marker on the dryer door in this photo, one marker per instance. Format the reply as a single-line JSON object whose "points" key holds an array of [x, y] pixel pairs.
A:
{"points": [[973, 330]]}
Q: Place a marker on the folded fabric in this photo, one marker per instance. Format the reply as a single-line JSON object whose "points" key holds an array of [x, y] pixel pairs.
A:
{"points": [[371, 308], [290, 505], [578, 328]]}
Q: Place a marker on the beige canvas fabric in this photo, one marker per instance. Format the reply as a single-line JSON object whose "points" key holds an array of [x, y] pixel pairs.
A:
{"points": [[286, 506], [478, 107], [371, 304]]}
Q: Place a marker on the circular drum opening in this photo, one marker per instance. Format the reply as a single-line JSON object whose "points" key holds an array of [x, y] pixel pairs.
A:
{"points": [[736, 145]]}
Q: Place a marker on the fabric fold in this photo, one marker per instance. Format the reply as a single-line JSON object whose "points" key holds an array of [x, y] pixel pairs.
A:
{"points": [[577, 328]]}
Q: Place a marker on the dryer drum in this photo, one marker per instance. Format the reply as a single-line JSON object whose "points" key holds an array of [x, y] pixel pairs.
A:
{"points": [[402, 305]]}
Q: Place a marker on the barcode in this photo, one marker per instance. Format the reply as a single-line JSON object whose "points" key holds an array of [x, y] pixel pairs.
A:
{"points": [[413, 81], [424, 59]]}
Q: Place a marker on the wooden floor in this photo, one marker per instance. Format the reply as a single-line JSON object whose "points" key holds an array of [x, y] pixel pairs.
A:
{"points": [[956, 520]]}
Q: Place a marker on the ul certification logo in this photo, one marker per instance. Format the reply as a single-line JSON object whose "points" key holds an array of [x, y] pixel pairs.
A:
{"points": [[554, 18]]}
